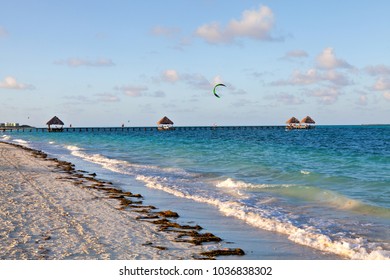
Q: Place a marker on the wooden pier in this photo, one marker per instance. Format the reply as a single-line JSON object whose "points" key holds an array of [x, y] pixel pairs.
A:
{"points": [[128, 129]]}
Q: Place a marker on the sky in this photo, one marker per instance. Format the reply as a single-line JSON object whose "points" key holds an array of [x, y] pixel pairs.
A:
{"points": [[131, 62]]}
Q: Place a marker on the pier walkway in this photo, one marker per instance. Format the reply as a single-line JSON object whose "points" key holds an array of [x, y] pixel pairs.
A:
{"points": [[116, 129]]}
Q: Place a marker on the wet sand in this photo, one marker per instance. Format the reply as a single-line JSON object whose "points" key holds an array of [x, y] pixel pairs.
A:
{"points": [[49, 210]]}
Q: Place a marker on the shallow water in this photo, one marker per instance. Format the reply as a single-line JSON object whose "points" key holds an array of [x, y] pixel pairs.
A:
{"points": [[327, 189]]}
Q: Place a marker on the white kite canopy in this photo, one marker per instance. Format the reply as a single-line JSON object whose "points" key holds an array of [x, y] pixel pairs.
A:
{"points": [[216, 87]]}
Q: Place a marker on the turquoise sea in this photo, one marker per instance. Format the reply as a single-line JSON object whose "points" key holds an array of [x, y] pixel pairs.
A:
{"points": [[327, 189]]}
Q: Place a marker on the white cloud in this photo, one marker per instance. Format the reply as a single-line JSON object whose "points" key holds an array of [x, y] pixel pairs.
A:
{"points": [[185, 41], [255, 24], [165, 31], [11, 83], [217, 80], [336, 78], [328, 60], [382, 84], [78, 99], [77, 62], [326, 76], [172, 33], [195, 80], [325, 96], [297, 78], [295, 54], [243, 103], [107, 97], [386, 95], [170, 75], [287, 99], [159, 93], [132, 91], [378, 70], [363, 100], [198, 81], [229, 87], [84, 99], [310, 77], [212, 33], [3, 32], [314, 76]]}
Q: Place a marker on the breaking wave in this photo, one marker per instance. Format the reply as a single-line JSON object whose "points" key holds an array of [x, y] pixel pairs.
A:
{"points": [[265, 213], [356, 248]]}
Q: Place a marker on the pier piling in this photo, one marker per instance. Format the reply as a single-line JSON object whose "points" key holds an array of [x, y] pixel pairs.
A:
{"points": [[128, 129]]}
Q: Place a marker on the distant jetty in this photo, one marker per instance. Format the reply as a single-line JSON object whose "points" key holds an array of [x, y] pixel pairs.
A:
{"points": [[142, 128], [165, 124], [3, 126], [55, 125], [376, 124], [306, 123]]}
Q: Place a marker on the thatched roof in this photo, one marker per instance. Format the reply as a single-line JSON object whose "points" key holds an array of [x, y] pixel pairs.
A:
{"points": [[165, 120], [292, 120], [307, 120], [55, 121]]}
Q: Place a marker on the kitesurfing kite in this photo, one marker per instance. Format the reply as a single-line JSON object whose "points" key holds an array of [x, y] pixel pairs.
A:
{"points": [[216, 87]]}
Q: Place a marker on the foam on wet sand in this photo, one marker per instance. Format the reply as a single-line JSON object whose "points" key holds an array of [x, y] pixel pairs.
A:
{"points": [[48, 210]]}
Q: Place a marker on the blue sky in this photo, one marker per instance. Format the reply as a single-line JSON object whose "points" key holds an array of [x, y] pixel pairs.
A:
{"points": [[107, 63]]}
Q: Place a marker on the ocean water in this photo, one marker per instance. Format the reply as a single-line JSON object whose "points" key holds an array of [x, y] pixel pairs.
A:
{"points": [[327, 189]]}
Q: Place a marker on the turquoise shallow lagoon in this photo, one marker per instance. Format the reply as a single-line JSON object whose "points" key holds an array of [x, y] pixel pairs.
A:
{"points": [[319, 193]]}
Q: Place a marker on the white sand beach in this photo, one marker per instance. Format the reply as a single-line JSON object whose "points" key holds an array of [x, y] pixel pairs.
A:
{"points": [[48, 213]]}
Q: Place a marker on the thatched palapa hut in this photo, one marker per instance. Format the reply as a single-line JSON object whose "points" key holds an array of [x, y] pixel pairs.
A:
{"points": [[57, 123], [308, 120], [305, 123], [165, 124], [292, 120]]}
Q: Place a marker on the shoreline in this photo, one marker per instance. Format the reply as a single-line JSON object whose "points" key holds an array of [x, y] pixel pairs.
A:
{"points": [[50, 210]]}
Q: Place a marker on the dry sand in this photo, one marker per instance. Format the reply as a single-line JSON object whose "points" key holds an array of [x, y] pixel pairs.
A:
{"points": [[50, 211]]}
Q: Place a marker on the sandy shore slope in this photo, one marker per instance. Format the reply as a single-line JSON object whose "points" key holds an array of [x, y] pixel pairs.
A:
{"points": [[48, 211]]}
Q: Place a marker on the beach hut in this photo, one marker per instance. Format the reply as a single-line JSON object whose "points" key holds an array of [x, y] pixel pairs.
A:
{"points": [[57, 123], [307, 122], [293, 122], [165, 124]]}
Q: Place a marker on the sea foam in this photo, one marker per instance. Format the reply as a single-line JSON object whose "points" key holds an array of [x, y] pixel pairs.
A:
{"points": [[267, 218], [5, 137], [236, 184], [20, 141], [348, 247]]}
